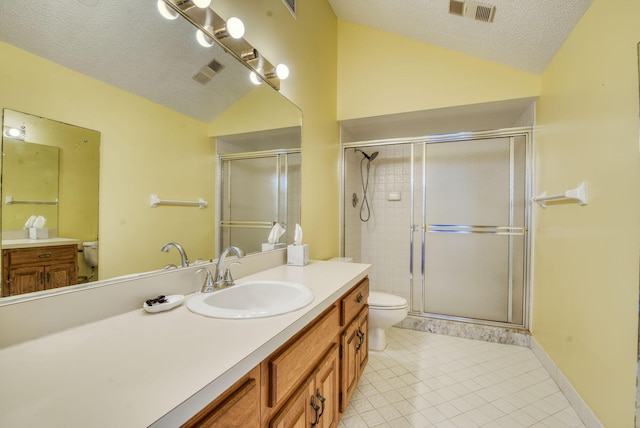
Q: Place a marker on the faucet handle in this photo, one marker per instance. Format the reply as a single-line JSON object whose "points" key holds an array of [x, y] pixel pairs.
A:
{"points": [[228, 278], [207, 286]]}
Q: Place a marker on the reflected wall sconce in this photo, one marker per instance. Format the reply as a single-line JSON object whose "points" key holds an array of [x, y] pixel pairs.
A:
{"points": [[14, 133], [204, 40], [184, 5], [165, 11], [253, 77]]}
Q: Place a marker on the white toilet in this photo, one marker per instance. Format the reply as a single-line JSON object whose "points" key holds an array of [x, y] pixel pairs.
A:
{"points": [[90, 253], [385, 310]]}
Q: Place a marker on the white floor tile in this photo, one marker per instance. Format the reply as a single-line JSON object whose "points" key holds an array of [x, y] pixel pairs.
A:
{"points": [[426, 380]]}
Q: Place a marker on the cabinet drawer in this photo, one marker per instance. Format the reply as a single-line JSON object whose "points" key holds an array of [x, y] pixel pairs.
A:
{"points": [[42, 255], [289, 367], [354, 302]]}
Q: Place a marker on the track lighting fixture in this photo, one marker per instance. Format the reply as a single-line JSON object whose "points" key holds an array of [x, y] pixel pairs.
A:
{"points": [[249, 55], [233, 27], [281, 72]]}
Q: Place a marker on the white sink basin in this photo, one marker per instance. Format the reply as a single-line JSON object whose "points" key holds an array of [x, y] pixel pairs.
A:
{"points": [[252, 299]]}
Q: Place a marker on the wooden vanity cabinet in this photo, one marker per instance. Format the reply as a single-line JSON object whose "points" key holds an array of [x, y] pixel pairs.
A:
{"points": [[25, 270], [315, 403], [355, 356], [354, 341], [301, 379], [305, 383], [238, 407]]}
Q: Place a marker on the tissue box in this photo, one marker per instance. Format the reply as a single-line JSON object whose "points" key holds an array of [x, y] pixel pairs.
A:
{"points": [[38, 233], [268, 247], [297, 255]]}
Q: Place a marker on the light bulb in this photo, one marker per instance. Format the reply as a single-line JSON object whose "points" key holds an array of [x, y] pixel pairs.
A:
{"points": [[166, 11], [255, 79], [14, 132], [235, 27], [203, 39], [202, 3], [282, 71]]}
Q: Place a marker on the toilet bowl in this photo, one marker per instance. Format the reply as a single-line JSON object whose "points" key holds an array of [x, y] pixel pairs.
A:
{"points": [[385, 310], [90, 252]]}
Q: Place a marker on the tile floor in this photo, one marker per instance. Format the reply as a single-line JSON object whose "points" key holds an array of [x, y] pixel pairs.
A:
{"points": [[429, 380]]}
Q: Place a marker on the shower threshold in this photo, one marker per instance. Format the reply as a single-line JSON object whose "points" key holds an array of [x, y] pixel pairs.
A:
{"points": [[510, 335]]}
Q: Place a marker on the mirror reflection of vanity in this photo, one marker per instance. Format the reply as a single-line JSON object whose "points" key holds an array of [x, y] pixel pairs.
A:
{"points": [[50, 170], [131, 78]]}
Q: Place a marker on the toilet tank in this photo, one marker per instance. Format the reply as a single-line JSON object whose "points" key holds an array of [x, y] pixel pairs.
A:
{"points": [[90, 252]]}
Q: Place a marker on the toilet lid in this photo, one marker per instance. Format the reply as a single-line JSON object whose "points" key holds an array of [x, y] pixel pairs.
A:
{"points": [[386, 301]]}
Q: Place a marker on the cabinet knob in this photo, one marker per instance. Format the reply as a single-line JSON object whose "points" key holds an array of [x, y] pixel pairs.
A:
{"points": [[359, 298], [44, 256]]}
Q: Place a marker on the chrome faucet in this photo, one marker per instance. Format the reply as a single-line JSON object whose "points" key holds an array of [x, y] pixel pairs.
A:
{"points": [[183, 256], [207, 286], [223, 277]]}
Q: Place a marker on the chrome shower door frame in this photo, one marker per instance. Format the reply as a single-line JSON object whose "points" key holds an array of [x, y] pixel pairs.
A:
{"points": [[510, 231]]}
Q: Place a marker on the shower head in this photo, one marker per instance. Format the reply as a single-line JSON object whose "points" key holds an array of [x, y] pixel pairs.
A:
{"points": [[370, 157]]}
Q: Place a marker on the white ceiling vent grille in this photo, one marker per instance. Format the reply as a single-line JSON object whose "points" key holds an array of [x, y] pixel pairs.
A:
{"points": [[472, 9], [291, 5], [206, 72]]}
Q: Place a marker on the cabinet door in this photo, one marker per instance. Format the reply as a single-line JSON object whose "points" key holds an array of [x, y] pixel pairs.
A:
{"points": [[349, 363], [25, 280], [60, 275], [355, 354], [297, 412], [363, 352], [327, 386], [239, 407]]}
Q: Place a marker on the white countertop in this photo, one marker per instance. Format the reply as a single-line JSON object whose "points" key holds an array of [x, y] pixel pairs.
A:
{"points": [[31, 243], [139, 369]]}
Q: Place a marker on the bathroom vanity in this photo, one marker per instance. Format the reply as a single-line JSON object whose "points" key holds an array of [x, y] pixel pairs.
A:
{"points": [[308, 380], [176, 367], [30, 265]]}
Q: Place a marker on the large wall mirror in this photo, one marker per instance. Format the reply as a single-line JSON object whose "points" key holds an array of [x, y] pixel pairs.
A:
{"points": [[136, 93]]}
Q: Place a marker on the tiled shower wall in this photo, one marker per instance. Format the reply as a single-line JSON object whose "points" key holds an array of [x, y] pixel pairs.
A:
{"points": [[383, 241]]}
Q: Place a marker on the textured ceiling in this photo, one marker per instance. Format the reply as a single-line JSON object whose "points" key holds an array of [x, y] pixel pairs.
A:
{"points": [[129, 45], [525, 34]]}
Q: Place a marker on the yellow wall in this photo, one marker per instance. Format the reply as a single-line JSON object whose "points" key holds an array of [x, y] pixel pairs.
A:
{"points": [[381, 73], [585, 307], [145, 148], [308, 45], [260, 109]]}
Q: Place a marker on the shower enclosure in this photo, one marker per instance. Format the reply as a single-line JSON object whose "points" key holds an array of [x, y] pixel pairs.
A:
{"points": [[448, 223], [257, 190]]}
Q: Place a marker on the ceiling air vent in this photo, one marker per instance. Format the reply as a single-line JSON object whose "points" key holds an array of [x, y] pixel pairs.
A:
{"points": [[206, 72], [472, 9], [456, 7], [485, 13]]}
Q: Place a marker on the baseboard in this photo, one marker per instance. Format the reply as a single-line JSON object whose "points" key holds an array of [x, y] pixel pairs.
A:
{"points": [[584, 412]]}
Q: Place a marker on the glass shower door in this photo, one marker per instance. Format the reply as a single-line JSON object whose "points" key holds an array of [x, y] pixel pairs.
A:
{"points": [[257, 191], [471, 200]]}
